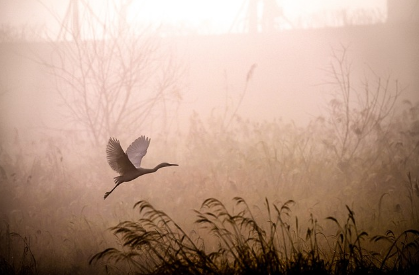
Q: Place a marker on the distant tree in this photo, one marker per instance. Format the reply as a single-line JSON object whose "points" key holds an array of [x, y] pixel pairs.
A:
{"points": [[358, 113], [114, 78], [22, 33]]}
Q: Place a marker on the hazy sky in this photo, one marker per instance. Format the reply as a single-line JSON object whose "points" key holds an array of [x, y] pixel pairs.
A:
{"points": [[215, 15]]}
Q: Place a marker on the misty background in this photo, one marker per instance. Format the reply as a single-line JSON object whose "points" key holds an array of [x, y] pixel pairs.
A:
{"points": [[312, 101]]}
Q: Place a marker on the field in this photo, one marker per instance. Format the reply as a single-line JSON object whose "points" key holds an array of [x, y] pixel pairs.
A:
{"points": [[248, 197], [254, 194]]}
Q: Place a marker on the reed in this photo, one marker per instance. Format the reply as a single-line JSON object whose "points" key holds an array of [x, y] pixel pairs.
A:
{"points": [[155, 244]]}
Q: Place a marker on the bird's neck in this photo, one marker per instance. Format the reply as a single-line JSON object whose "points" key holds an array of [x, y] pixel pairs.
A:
{"points": [[143, 171], [149, 170]]}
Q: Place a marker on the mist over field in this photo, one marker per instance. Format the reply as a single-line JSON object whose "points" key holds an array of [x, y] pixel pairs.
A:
{"points": [[298, 147]]}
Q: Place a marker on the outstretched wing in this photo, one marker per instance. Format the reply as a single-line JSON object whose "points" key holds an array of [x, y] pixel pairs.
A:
{"points": [[137, 150], [117, 159]]}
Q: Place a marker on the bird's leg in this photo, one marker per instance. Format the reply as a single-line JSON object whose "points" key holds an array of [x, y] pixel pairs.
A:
{"points": [[108, 193]]}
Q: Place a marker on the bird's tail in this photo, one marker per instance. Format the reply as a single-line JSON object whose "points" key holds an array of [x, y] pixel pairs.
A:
{"points": [[118, 180]]}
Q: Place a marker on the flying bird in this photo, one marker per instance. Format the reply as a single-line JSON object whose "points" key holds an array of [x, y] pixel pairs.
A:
{"points": [[128, 164]]}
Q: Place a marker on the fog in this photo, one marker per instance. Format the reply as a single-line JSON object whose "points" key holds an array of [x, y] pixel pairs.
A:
{"points": [[319, 107]]}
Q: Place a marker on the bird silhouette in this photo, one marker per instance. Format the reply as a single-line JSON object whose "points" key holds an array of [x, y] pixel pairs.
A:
{"points": [[128, 164]]}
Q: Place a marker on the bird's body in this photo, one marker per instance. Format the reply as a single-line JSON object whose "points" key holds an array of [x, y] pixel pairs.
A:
{"points": [[128, 164]]}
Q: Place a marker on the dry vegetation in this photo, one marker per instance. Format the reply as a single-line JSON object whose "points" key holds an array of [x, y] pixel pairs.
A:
{"points": [[291, 188], [338, 196]]}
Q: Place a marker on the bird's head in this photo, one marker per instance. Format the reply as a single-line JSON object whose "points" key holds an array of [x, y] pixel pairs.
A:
{"points": [[165, 164]]}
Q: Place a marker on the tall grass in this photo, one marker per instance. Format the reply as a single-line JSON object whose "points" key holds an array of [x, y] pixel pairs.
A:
{"points": [[16, 255], [51, 195], [242, 244]]}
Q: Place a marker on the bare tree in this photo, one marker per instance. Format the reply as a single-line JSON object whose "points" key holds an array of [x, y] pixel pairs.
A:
{"points": [[358, 113], [113, 77]]}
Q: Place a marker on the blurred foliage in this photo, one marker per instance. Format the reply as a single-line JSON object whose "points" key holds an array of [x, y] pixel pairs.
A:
{"points": [[155, 244], [360, 153], [111, 75], [24, 33]]}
